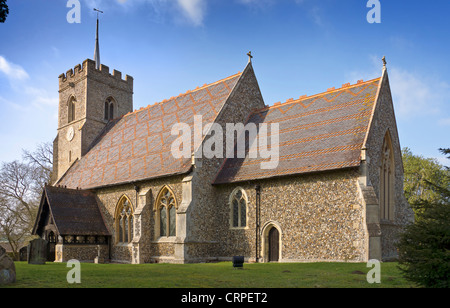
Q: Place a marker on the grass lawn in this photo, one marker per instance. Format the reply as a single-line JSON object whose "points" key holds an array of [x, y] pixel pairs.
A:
{"points": [[210, 275]]}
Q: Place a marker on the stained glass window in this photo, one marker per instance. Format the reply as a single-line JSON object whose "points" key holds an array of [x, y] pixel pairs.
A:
{"points": [[172, 221], [387, 180], [167, 211], [235, 213], [163, 221], [239, 208], [124, 221]]}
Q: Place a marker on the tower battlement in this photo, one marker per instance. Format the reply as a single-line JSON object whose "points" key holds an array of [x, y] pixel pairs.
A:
{"points": [[79, 72]]}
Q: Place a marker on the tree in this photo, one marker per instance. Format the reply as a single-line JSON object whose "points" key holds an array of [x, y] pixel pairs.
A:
{"points": [[424, 247], [18, 202], [418, 172], [21, 186], [4, 11], [42, 162], [12, 229]]}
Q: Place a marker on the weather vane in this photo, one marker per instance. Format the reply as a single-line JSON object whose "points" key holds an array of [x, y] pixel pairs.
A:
{"points": [[98, 11]]}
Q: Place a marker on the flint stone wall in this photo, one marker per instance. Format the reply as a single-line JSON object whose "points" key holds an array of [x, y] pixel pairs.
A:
{"points": [[82, 253], [384, 122], [151, 248], [321, 217]]}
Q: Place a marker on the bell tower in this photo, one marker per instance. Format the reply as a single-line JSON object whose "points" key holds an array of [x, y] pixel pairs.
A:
{"points": [[89, 97]]}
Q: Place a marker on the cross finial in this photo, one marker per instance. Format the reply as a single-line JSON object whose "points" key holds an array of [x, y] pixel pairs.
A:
{"points": [[250, 57], [384, 62]]}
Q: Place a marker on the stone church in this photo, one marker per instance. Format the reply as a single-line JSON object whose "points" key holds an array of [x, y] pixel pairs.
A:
{"points": [[121, 195]]}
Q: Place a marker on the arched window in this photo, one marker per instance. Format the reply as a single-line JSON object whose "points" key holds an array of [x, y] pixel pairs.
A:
{"points": [[106, 110], [166, 213], [109, 109], [238, 204], [71, 110], [387, 180], [124, 221]]}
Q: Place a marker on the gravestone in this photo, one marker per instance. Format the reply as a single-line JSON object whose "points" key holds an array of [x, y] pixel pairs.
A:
{"points": [[7, 268], [99, 259], [37, 252], [23, 253]]}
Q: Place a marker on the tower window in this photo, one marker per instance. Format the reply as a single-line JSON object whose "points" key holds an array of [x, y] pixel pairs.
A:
{"points": [[71, 110], [106, 111], [109, 109]]}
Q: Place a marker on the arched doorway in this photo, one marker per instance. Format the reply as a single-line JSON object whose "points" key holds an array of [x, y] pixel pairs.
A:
{"points": [[274, 245], [271, 242]]}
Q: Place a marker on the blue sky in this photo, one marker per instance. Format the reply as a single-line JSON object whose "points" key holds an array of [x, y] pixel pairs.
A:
{"points": [[170, 46]]}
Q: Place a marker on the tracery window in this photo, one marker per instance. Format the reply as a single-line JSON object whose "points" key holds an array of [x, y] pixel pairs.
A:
{"points": [[124, 221], [238, 204], [166, 212], [387, 180]]}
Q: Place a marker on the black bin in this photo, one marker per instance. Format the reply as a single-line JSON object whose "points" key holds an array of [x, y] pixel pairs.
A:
{"points": [[238, 262]]}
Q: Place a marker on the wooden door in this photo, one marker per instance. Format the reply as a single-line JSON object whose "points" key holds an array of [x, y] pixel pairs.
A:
{"points": [[51, 247], [274, 245]]}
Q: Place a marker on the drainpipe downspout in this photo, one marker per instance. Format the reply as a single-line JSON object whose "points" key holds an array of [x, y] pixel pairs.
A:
{"points": [[257, 217]]}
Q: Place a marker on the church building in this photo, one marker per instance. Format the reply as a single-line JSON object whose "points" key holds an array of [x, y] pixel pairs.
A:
{"points": [[120, 194]]}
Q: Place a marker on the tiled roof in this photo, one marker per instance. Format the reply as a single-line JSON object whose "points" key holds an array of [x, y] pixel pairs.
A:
{"points": [[317, 133], [137, 146], [75, 212]]}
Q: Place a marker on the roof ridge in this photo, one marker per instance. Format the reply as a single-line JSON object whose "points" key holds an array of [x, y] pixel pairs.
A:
{"points": [[182, 94], [304, 97]]}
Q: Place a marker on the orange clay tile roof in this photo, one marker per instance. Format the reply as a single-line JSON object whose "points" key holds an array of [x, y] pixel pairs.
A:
{"points": [[317, 133], [137, 146]]}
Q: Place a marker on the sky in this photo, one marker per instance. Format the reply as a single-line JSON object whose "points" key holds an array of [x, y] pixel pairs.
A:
{"points": [[171, 46]]}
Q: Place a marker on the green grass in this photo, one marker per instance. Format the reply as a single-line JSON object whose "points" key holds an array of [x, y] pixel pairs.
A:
{"points": [[210, 275]]}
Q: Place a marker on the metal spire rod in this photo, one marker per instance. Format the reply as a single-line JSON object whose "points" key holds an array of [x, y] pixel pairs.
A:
{"points": [[97, 45]]}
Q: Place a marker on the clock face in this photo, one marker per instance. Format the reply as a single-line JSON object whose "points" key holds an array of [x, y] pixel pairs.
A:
{"points": [[70, 134]]}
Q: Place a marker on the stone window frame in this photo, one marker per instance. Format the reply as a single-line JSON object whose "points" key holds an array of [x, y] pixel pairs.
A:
{"points": [[234, 197], [71, 109], [167, 200], [387, 179], [126, 217], [110, 105]]}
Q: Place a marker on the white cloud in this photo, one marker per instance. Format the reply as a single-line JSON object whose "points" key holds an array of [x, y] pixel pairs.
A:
{"points": [[257, 3], [40, 98], [316, 16], [444, 122], [194, 10], [25, 94], [415, 94], [11, 70]]}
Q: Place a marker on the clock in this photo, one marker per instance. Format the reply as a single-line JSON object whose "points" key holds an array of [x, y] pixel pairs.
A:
{"points": [[70, 134]]}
